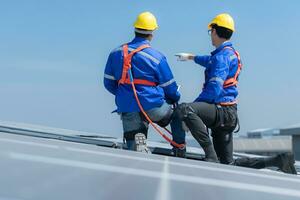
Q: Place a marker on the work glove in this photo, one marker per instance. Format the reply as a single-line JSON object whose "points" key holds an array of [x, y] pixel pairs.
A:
{"points": [[184, 56]]}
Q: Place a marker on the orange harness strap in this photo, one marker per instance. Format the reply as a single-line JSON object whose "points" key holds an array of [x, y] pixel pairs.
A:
{"points": [[127, 78], [228, 103], [127, 65], [233, 81], [140, 82]]}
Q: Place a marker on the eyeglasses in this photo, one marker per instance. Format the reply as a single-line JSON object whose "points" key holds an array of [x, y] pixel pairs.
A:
{"points": [[209, 31]]}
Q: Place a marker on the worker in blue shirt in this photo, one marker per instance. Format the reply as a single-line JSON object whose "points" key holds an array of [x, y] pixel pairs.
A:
{"points": [[155, 85], [216, 106]]}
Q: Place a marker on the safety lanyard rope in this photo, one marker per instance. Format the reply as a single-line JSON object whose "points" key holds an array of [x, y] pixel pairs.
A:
{"points": [[148, 118], [172, 142]]}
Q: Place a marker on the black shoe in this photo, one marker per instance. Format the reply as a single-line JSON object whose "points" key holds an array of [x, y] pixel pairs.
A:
{"points": [[286, 163], [140, 143], [178, 152], [210, 154], [211, 160]]}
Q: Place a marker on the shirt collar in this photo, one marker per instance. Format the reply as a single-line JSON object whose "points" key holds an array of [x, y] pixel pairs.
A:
{"points": [[140, 40], [225, 44]]}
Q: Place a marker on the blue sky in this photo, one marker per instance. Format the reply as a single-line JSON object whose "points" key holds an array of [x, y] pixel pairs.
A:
{"points": [[53, 53]]}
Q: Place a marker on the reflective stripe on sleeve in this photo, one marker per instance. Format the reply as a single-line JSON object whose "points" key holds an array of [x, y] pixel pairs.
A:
{"points": [[167, 83], [217, 79], [232, 57], [110, 77]]}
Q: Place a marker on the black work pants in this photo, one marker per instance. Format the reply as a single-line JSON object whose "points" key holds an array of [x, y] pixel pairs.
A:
{"points": [[256, 163], [222, 120], [197, 116]]}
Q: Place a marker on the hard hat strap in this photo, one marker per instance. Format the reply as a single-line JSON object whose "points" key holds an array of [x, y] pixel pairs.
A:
{"points": [[142, 31]]}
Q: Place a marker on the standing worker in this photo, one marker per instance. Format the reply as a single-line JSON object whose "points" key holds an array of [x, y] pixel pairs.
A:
{"points": [[154, 83], [216, 106]]}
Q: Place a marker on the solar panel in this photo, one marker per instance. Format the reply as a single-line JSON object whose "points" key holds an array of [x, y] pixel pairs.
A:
{"points": [[43, 168]]}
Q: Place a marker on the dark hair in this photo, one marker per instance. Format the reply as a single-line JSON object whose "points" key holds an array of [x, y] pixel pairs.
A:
{"points": [[222, 32], [141, 35]]}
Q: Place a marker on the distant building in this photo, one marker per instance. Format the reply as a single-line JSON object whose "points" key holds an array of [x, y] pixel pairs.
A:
{"points": [[294, 132], [270, 141], [259, 133], [264, 145]]}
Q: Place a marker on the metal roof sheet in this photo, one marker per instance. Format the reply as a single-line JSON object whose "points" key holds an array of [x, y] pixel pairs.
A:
{"points": [[43, 168]]}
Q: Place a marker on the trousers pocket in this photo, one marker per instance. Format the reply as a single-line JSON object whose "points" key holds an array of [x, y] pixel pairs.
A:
{"points": [[226, 116], [230, 117]]}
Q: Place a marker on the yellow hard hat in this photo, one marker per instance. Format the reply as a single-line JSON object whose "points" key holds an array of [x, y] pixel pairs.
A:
{"points": [[223, 20], [146, 21]]}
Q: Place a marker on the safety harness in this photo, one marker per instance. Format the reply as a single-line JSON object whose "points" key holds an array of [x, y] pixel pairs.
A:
{"points": [[127, 78], [234, 80], [228, 83], [127, 57]]}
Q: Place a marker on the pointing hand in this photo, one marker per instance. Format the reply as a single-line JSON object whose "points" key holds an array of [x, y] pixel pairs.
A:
{"points": [[184, 56]]}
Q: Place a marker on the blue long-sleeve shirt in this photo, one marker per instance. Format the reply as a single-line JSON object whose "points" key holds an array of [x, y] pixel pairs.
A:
{"points": [[148, 64], [221, 65]]}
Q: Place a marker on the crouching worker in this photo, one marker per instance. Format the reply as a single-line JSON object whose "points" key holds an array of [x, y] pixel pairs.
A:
{"points": [[154, 83], [216, 106]]}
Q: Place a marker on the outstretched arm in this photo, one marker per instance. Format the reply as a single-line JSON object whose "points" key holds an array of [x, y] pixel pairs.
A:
{"points": [[201, 60]]}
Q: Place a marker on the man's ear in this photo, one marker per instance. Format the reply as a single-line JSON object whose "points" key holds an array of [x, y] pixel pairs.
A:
{"points": [[150, 37]]}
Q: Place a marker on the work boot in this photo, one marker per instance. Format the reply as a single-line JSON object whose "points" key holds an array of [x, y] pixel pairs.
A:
{"points": [[140, 143], [179, 152], [130, 145], [210, 154], [285, 162]]}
